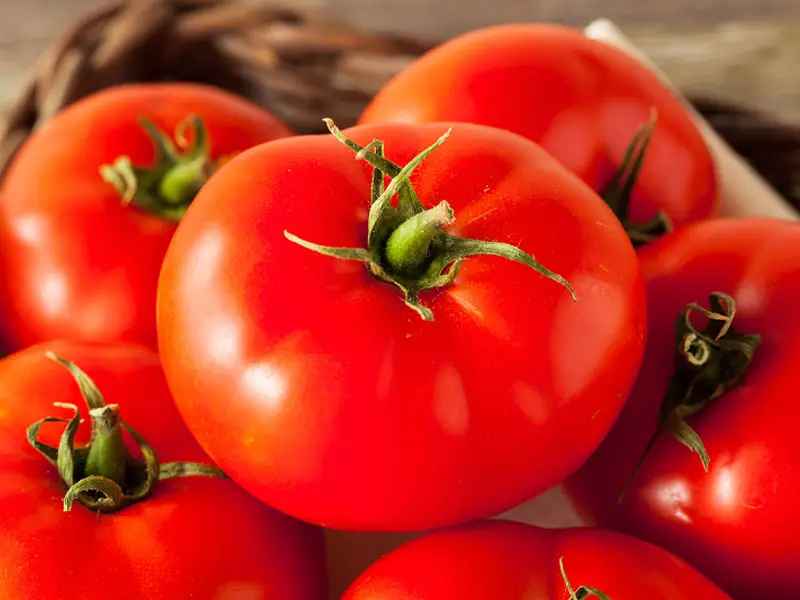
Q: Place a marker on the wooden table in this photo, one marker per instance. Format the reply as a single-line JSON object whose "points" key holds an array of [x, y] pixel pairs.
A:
{"points": [[745, 51]]}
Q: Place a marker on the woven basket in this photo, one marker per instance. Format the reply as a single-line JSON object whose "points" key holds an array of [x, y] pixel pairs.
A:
{"points": [[298, 64]]}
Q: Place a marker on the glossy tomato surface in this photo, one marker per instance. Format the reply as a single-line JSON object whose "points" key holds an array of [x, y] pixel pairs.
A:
{"points": [[735, 523], [581, 99], [318, 390], [76, 262], [497, 560], [193, 538]]}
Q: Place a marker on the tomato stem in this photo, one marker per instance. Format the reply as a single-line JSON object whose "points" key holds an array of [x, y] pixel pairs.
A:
{"points": [[709, 362], [103, 476], [408, 247], [107, 454], [181, 183], [168, 187], [619, 191], [406, 244]]}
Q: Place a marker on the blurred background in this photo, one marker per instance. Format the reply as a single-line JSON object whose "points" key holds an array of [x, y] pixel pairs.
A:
{"points": [[745, 52]]}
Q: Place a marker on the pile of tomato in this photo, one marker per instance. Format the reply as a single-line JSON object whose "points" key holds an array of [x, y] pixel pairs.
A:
{"points": [[222, 338]]}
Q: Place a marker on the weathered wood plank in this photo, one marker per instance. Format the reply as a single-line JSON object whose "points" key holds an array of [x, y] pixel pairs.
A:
{"points": [[41, 19], [449, 17], [737, 50], [753, 64]]}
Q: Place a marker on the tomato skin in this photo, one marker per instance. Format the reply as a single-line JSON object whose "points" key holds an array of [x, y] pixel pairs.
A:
{"points": [[736, 522], [502, 560], [193, 538], [76, 263], [581, 99], [320, 392]]}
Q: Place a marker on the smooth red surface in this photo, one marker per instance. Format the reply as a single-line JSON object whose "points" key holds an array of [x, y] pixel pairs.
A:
{"points": [[737, 523], [193, 538], [75, 262], [318, 390], [581, 99], [497, 560]]}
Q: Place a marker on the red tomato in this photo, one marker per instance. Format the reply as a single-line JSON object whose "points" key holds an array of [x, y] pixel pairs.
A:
{"points": [[318, 390], [76, 261], [735, 523], [511, 561], [193, 538], [581, 99]]}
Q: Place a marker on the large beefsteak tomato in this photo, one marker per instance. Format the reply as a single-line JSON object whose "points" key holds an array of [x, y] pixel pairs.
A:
{"points": [[723, 387], [497, 560], [582, 100], [202, 538], [311, 383], [91, 201]]}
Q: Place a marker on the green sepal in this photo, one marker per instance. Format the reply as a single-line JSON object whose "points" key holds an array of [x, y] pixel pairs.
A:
{"points": [[167, 188], [78, 466], [709, 362], [407, 245], [619, 190]]}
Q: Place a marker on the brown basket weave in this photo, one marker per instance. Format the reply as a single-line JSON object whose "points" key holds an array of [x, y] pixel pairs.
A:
{"points": [[298, 64]]}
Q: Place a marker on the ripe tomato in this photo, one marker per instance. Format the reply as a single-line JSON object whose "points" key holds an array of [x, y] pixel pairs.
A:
{"points": [[77, 260], [581, 99], [735, 523], [312, 384], [193, 538], [511, 561]]}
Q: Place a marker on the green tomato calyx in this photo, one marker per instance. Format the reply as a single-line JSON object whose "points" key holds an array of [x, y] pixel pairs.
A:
{"points": [[180, 169], [709, 362], [104, 476], [407, 245], [619, 190]]}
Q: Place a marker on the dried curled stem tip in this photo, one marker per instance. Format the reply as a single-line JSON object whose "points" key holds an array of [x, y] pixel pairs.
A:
{"points": [[709, 362]]}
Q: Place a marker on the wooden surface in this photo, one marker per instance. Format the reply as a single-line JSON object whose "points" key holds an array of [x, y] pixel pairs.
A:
{"points": [[744, 51]]}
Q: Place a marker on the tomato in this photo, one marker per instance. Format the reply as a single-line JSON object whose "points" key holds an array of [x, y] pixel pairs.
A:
{"points": [[199, 537], [317, 389], [511, 561], [79, 257], [581, 99], [735, 523]]}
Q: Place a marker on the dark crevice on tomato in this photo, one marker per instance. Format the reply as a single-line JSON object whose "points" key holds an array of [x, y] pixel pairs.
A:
{"points": [[406, 245], [103, 476], [708, 363]]}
